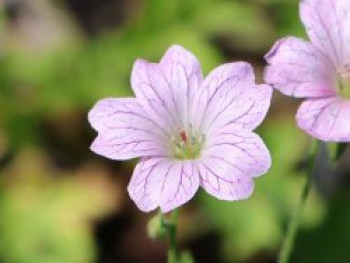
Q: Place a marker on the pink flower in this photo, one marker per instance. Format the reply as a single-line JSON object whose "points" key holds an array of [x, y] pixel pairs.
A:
{"points": [[318, 71], [189, 132]]}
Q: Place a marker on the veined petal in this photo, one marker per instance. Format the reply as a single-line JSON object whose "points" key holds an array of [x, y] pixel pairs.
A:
{"points": [[242, 149], [326, 119], [160, 182], [230, 97], [155, 93], [230, 162], [166, 89], [125, 131], [328, 25], [125, 148], [176, 56], [184, 73], [216, 182], [297, 68], [246, 111]]}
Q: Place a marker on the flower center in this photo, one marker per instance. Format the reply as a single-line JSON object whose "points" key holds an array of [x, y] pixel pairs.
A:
{"points": [[187, 144], [343, 82]]}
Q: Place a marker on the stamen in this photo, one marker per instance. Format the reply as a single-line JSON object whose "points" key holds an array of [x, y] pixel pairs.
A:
{"points": [[187, 144]]}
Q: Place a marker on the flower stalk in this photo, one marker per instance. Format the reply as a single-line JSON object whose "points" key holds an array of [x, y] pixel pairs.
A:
{"points": [[170, 224], [292, 230]]}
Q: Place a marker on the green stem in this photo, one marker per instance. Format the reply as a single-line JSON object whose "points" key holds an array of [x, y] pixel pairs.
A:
{"points": [[293, 225], [170, 225]]}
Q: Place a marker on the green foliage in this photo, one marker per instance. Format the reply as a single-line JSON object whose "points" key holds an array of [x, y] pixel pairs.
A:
{"points": [[40, 226], [46, 220], [186, 257], [329, 242], [241, 22]]}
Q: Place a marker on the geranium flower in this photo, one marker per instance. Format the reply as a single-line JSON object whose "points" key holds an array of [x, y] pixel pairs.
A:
{"points": [[318, 70], [189, 132]]}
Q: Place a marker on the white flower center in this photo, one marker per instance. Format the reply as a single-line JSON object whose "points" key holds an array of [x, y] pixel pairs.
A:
{"points": [[187, 143], [343, 82]]}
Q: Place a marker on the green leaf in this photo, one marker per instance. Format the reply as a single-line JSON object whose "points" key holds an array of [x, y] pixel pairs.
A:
{"points": [[186, 257], [239, 21]]}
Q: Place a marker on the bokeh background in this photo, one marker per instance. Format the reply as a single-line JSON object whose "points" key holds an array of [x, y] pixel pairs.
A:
{"points": [[61, 203]]}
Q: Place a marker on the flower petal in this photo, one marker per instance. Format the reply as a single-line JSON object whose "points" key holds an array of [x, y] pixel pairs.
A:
{"points": [[241, 148], [216, 182], [328, 26], [326, 119], [178, 59], [296, 68], [230, 162], [230, 97], [125, 131], [166, 89], [124, 149], [155, 94], [183, 72], [160, 182]]}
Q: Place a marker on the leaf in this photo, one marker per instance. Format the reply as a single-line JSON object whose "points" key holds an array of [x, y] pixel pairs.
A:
{"points": [[239, 21], [186, 257]]}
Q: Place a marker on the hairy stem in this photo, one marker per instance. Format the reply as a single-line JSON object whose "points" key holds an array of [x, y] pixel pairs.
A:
{"points": [[286, 251], [170, 225]]}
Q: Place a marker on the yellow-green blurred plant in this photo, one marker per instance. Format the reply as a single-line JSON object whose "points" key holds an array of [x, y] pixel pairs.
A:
{"points": [[48, 218]]}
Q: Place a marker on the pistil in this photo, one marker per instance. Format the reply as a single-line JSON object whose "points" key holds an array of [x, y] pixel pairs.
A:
{"points": [[343, 82], [344, 87]]}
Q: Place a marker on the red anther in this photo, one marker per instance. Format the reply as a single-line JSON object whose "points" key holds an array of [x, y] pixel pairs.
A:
{"points": [[183, 136]]}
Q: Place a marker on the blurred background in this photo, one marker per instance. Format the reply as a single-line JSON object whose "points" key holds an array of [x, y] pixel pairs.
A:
{"points": [[61, 203]]}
